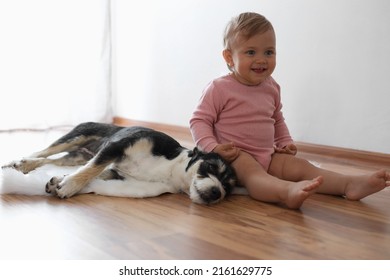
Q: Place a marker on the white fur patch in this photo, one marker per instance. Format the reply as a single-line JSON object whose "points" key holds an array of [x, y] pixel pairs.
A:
{"points": [[33, 183]]}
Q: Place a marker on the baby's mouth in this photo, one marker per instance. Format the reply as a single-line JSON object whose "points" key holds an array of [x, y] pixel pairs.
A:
{"points": [[259, 70]]}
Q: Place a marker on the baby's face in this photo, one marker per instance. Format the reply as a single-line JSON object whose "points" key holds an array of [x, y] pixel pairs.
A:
{"points": [[253, 60]]}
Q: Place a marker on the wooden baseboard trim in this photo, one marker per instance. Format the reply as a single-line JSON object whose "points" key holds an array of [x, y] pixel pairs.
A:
{"points": [[343, 154], [181, 131]]}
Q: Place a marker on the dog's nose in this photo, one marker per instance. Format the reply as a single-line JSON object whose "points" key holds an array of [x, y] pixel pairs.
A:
{"points": [[215, 193]]}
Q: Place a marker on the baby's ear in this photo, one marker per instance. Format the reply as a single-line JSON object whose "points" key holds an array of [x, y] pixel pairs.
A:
{"points": [[227, 55]]}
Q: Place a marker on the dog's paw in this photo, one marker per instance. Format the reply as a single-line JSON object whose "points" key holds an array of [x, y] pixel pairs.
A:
{"points": [[12, 164], [53, 185], [24, 165], [63, 187]]}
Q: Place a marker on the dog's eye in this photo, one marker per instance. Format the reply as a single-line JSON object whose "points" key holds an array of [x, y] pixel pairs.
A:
{"points": [[212, 168]]}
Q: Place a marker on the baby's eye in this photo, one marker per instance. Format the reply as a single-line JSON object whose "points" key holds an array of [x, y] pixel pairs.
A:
{"points": [[269, 53], [251, 52]]}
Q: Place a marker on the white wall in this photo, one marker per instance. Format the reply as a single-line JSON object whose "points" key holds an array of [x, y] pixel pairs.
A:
{"points": [[53, 63], [333, 58]]}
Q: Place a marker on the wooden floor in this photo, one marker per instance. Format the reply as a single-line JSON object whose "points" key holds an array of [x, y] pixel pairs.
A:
{"points": [[171, 227]]}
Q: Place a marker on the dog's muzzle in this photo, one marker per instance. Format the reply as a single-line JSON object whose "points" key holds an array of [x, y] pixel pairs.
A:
{"points": [[212, 195]]}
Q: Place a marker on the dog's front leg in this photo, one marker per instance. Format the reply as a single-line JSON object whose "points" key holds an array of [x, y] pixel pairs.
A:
{"points": [[70, 185], [67, 186]]}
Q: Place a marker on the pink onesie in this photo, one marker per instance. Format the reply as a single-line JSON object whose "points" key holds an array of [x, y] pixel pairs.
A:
{"points": [[248, 116]]}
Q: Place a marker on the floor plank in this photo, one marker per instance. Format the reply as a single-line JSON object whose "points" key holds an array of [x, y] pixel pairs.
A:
{"points": [[172, 227]]}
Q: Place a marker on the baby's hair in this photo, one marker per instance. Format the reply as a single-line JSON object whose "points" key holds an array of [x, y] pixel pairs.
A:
{"points": [[245, 25]]}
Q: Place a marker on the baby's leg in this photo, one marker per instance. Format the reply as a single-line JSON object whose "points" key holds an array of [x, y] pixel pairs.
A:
{"points": [[295, 169], [264, 187]]}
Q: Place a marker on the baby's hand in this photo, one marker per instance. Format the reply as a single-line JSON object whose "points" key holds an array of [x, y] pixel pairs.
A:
{"points": [[227, 151], [290, 149]]}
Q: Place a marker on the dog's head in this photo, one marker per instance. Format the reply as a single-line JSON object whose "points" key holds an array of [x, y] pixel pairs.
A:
{"points": [[213, 178]]}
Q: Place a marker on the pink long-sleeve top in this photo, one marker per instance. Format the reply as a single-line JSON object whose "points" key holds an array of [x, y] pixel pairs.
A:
{"points": [[248, 116]]}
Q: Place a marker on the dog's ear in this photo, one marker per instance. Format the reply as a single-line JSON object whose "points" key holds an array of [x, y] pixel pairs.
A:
{"points": [[194, 155], [194, 152]]}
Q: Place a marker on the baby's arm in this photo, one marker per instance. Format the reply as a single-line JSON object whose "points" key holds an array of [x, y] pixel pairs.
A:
{"points": [[202, 133], [283, 142], [203, 120]]}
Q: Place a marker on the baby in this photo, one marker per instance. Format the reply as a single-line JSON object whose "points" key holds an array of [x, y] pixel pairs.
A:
{"points": [[239, 117]]}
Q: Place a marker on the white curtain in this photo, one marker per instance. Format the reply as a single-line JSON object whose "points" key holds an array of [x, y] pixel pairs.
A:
{"points": [[54, 62]]}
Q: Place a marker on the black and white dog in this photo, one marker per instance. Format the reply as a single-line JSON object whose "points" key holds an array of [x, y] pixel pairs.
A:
{"points": [[150, 159]]}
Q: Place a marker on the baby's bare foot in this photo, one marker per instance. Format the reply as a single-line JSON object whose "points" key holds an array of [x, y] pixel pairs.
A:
{"points": [[362, 186], [300, 191]]}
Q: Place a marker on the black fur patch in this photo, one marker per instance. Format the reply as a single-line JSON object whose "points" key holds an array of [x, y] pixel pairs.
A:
{"points": [[163, 145]]}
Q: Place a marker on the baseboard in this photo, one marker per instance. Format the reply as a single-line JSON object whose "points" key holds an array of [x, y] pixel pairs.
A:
{"points": [[181, 131], [341, 154], [374, 159]]}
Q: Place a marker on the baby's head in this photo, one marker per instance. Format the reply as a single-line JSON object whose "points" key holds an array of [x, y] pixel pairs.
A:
{"points": [[250, 48], [245, 25]]}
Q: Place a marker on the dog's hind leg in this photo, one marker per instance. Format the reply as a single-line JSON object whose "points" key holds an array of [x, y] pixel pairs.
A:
{"points": [[81, 143], [79, 136], [65, 144], [28, 164]]}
